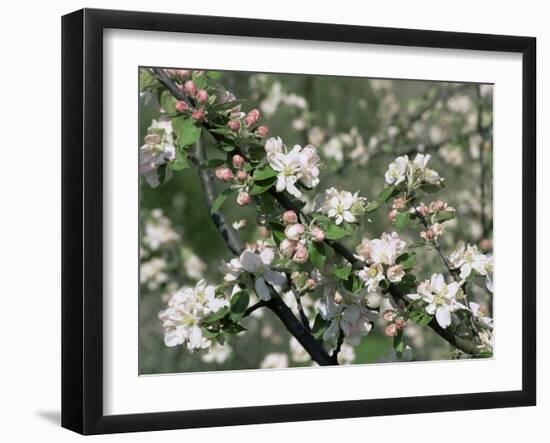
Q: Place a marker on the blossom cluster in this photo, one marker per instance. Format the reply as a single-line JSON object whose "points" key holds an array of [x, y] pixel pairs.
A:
{"points": [[468, 259], [159, 149], [380, 257], [292, 166], [411, 173], [187, 309], [441, 298], [342, 206]]}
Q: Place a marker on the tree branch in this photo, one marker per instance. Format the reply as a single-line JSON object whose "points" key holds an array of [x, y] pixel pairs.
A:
{"points": [[462, 344]]}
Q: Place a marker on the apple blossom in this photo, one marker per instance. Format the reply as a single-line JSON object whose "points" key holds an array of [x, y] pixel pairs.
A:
{"points": [[242, 176], [262, 131], [224, 174], [198, 115], [238, 161], [317, 235], [295, 231], [395, 273], [258, 264], [289, 217], [186, 310], [181, 106], [287, 247], [202, 96], [440, 298], [391, 330], [397, 170], [389, 315], [300, 255], [234, 125], [243, 199], [190, 88], [159, 149], [342, 206]]}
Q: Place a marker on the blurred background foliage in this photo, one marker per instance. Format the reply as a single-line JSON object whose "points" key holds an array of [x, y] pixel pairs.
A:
{"points": [[359, 125]]}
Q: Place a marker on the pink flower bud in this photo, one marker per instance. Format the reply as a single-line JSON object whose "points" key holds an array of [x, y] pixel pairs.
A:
{"points": [[388, 315], [251, 118], [391, 330], [301, 255], [183, 73], [399, 323], [427, 235], [311, 284], [198, 115], [224, 174], [294, 232], [262, 131], [437, 205], [243, 199], [190, 88], [242, 176], [287, 247], [234, 125], [423, 210], [289, 217], [255, 113], [392, 215], [202, 96], [317, 235], [181, 106], [338, 299], [399, 203], [238, 160], [486, 244]]}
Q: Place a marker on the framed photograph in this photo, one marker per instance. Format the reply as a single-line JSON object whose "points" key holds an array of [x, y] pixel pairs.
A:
{"points": [[270, 221]]}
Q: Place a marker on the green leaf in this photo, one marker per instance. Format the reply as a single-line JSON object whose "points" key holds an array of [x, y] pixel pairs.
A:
{"points": [[228, 148], [181, 162], [209, 334], [262, 186], [387, 193], [220, 200], [164, 174], [420, 317], [384, 285], [146, 80], [317, 254], [167, 102], [216, 316], [233, 328], [264, 172], [212, 163], [199, 80], [239, 303], [333, 232], [278, 231], [372, 206], [443, 216], [401, 221], [429, 188], [407, 260], [320, 325], [226, 106], [186, 130], [342, 273], [398, 343], [214, 75]]}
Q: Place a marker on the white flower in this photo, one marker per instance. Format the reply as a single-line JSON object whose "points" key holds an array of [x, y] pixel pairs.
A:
{"points": [[480, 314], [395, 273], [384, 250], [440, 298], [397, 170], [232, 270], [186, 309], [346, 355], [217, 354], [296, 165], [348, 315], [468, 259], [194, 267], [239, 224], [158, 150], [152, 272], [372, 276], [342, 206], [158, 231], [274, 360], [258, 264]]}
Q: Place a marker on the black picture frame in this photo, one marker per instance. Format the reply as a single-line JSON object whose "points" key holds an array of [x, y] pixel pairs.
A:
{"points": [[82, 218]]}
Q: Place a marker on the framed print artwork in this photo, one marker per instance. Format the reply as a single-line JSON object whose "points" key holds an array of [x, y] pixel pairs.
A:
{"points": [[270, 221]]}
